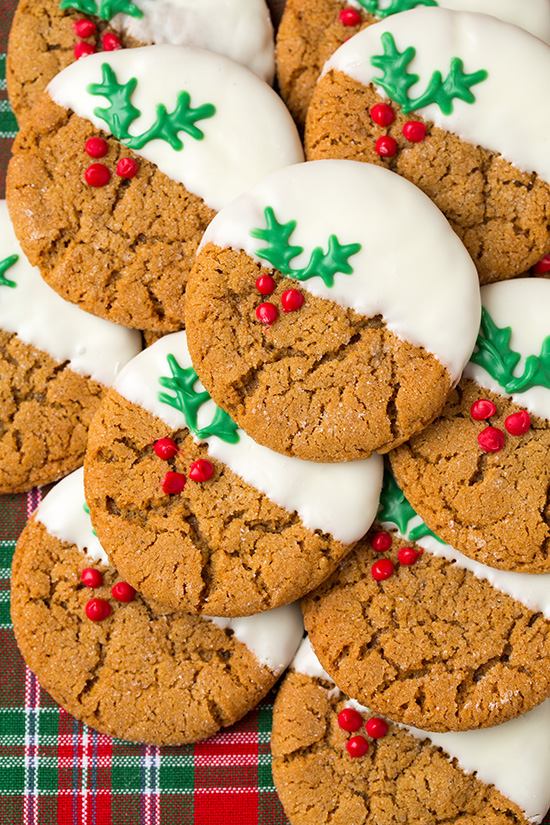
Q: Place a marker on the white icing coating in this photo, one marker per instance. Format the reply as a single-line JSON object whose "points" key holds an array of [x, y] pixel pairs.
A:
{"points": [[207, 24], [340, 499], [411, 269], [93, 347], [63, 515], [513, 756], [272, 636], [517, 62], [250, 135], [533, 16], [524, 305]]}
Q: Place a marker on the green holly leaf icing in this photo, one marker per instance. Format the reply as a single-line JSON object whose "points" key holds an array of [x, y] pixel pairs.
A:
{"points": [[279, 252], [85, 6], [87, 511], [120, 113], [106, 9], [396, 80], [188, 401], [395, 508], [394, 7], [4, 266], [494, 354]]}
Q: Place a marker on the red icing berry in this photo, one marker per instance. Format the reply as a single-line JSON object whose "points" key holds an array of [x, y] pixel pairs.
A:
{"points": [[96, 147], [386, 146], [482, 409], [414, 131], [350, 719], [491, 439], [543, 266], [127, 168], [382, 569], [110, 42], [266, 313], [265, 284], [357, 746], [165, 448], [91, 577], [98, 609], [291, 300], [82, 49], [123, 592], [97, 175], [381, 541], [173, 483], [201, 470], [349, 17], [518, 423], [84, 27], [376, 727], [407, 555], [382, 114]]}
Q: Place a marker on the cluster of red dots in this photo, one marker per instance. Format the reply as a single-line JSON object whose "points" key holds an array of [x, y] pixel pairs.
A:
{"points": [[352, 721], [384, 568], [386, 146], [97, 174], [491, 439], [266, 312], [200, 470], [84, 29], [98, 609]]}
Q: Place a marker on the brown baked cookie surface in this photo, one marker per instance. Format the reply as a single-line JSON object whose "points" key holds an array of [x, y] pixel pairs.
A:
{"points": [[401, 778], [143, 672], [423, 640]]}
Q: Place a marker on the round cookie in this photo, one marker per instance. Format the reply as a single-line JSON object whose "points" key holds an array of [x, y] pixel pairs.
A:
{"points": [[55, 364], [143, 672], [453, 81], [244, 529], [181, 132], [497, 776], [311, 30], [483, 483], [343, 354], [48, 35]]}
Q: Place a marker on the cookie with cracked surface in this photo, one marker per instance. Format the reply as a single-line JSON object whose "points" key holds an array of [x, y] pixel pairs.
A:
{"points": [[46, 36], [194, 514], [424, 635], [384, 99], [495, 776], [122, 164], [55, 364], [479, 474], [119, 661], [329, 355]]}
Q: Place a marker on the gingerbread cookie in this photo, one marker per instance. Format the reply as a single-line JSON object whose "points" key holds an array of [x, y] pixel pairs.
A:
{"points": [[312, 30], [125, 160], [421, 633], [120, 662], [432, 94], [329, 355], [334, 761], [56, 362], [48, 35], [479, 475], [195, 514]]}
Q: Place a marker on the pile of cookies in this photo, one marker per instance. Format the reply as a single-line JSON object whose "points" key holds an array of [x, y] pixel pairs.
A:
{"points": [[302, 320]]}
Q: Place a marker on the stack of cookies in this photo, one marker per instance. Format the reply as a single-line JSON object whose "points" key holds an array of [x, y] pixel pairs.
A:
{"points": [[304, 320]]}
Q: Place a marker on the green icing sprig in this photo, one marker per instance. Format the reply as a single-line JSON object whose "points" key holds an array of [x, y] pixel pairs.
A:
{"points": [[121, 113], [279, 252], [188, 401], [494, 354], [396, 80], [394, 7], [106, 9], [395, 508], [5, 264]]}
